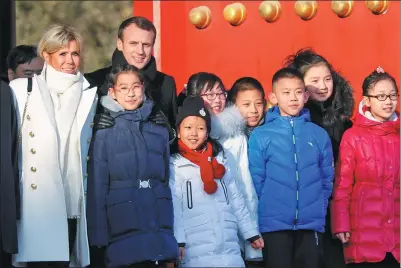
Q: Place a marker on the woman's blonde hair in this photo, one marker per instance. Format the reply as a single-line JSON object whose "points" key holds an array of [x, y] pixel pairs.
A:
{"points": [[57, 37]]}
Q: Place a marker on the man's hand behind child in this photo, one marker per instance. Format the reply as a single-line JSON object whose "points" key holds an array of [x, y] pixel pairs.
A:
{"points": [[344, 237], [258, 243]]}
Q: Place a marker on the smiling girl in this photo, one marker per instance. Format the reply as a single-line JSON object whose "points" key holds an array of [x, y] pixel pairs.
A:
{"points": [[209, 209], [366, 198], [249, 96], [130, 211]]}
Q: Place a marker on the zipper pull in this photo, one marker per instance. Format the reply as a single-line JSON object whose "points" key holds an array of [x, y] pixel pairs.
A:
{"points": [[292, 123]]}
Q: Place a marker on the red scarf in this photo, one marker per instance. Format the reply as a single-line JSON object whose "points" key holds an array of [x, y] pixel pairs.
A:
{"points": [[210, 169]]}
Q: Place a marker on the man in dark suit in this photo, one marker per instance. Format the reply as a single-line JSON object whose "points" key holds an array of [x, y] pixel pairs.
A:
{"points": [[136, 38], [9, 190]]}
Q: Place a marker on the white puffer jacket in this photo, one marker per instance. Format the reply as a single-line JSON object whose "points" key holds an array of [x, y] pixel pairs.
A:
{"points": [[228, 127], [208, 224]]}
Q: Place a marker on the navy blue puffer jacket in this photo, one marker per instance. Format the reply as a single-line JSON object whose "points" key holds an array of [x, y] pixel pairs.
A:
{"points": [[130, 209], [291, 164]]}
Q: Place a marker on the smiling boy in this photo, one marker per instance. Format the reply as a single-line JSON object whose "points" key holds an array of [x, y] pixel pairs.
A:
{"points": [[291, 163]]}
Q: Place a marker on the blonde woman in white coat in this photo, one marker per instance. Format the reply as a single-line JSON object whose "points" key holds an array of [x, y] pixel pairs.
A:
{"points": [[209, 209], [228, 127], [55, 122]]}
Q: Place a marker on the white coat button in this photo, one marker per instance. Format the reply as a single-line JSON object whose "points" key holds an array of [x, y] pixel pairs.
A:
{"points": [[28, 117], [33, 169], [33, 151], [34, 186], [31, 134]]}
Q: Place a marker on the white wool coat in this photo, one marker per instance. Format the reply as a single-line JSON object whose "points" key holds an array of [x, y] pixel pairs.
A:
{"points": [[43, 229]]}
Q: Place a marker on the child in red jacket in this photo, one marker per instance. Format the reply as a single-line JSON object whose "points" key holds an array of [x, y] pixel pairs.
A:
{"points": [[366, 199]]}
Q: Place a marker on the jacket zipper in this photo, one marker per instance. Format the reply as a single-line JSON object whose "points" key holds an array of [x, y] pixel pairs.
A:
{"points": [[189, 195], [225, 191], [296, 171]]}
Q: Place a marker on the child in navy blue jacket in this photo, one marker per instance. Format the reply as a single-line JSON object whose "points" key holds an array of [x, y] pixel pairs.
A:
{"points": [[130, 208], [291, 163]]}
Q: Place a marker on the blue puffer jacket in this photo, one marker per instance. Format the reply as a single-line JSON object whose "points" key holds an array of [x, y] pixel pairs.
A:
{"points": [[130, 207], [291, 164]]}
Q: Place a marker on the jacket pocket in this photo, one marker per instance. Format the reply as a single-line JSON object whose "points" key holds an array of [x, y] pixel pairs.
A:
{"points": [[164, 207], [122, 215], [190, 203]]}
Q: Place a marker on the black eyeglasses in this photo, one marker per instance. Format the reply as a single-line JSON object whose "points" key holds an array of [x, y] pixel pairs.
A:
{"points": [[212, 96], [383, 97]]}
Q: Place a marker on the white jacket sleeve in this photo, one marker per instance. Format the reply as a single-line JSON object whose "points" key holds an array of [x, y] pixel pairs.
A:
{"points": [[245, 180], [247, 226], [176, 192], [246, 187]]}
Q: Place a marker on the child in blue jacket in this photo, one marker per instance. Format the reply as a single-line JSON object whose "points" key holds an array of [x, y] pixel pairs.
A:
{"points": [[130, 207], [291, 164]]}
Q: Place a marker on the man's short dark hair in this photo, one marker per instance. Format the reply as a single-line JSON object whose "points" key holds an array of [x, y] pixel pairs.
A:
{"points": [[141, 22], [286, 73], [20, 55]]}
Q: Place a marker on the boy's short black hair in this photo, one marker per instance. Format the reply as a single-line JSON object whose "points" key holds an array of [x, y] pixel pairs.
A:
{"points": [[125, 68], [286, 73], [141, 22], [244, 84], [20, 55]]}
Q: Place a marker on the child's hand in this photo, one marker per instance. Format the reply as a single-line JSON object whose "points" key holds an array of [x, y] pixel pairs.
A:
{"points": [[182, 253], [344, 237], [258, 243]]}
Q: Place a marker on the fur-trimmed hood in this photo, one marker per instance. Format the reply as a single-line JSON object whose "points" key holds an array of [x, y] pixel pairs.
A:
{"points": [[339, 106], [110, 104], [116, 110], [228, 123]]}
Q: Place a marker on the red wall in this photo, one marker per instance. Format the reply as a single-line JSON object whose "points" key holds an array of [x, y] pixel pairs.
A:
{"points": [[355, 45]]}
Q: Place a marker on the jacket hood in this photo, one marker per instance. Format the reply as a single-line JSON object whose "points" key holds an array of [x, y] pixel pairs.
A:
{"points": [[141, 113], [365, 119], [274, 113], [339, 106], [228, 123]]}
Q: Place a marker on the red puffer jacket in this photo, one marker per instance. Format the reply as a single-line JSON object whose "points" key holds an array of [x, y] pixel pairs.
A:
{"points": [[366, 197]]}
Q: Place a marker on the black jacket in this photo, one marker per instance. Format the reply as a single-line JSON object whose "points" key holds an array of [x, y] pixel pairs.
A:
{"points": [[9, 183], [335, 113], [160, 87]]}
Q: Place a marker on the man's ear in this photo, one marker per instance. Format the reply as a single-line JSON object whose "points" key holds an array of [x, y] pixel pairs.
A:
{"points": [[10, 74], [272, 98], [119, 44]]}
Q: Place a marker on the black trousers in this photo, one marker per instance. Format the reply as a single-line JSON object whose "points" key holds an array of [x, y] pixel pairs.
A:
{"points": [[293, 249], [149, 264], [333, 254], [72, 235], [388, 262]]}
